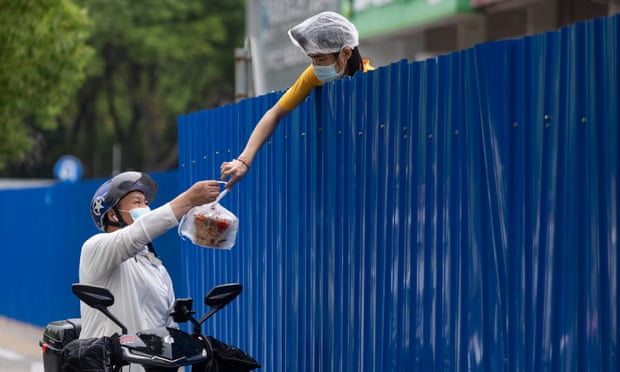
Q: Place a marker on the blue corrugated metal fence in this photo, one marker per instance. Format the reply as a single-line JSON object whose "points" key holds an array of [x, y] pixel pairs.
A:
{"points": [[459, 213]]}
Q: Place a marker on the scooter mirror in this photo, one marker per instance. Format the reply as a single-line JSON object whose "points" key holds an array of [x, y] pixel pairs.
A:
{"points": [[99, 298], [220, 295], [93, 296]]}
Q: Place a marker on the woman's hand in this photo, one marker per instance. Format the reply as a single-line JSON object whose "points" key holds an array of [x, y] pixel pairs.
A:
{"points": [[235, 169]]}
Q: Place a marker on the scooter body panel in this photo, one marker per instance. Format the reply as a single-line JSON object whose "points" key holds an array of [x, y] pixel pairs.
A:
{"points": [[165, 347]]}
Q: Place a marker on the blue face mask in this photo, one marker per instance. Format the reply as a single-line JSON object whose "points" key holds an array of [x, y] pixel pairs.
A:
{"points": [[137, 212], [327, 73]]}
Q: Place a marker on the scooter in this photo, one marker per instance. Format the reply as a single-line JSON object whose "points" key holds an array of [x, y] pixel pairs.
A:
{"points": [[158, 349]]}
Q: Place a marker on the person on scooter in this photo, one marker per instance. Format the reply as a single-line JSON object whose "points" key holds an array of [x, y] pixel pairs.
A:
{"points": [[121, 257]]}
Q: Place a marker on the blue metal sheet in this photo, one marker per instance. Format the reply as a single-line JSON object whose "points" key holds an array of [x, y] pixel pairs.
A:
{"points": [[459, 213]]}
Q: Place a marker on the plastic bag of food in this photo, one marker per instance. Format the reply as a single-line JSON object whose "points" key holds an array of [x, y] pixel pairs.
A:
{"points": [[210, 225]]}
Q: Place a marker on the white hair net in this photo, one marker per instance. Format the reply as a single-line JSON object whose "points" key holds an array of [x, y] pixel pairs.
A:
{"points": [[324, 33]]}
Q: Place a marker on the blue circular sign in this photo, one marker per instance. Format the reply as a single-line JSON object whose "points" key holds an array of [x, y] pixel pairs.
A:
{"points": [[68, 168]]}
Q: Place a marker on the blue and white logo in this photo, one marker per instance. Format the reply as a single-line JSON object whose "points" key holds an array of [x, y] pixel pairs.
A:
{"points": [[98, 205], [68, 168]]}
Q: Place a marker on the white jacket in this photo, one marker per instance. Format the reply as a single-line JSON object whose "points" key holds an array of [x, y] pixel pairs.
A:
{"points": [[120, 261]]}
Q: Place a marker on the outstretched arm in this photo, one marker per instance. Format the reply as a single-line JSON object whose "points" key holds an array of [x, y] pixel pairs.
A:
{"points": [[237, 168], [103, 252]]}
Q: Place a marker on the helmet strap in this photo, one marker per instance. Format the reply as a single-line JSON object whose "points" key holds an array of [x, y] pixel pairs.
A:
{"points": [[152, 249]]}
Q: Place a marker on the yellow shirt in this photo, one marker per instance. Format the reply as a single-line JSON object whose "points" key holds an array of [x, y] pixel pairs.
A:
{"points": [[304, 85]]}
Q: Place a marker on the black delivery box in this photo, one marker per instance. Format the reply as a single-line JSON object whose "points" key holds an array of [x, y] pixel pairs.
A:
{"points": [[55, 336]]}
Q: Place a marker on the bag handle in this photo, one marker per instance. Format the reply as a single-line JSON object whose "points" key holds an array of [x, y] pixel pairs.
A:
{"points": [[217, 200], [221, 194]]}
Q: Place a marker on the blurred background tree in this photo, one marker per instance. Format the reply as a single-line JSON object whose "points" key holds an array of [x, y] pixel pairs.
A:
{"points": [[43, 56], [154, 60]]}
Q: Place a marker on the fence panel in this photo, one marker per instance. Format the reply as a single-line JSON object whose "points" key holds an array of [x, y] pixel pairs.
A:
{"points": [[459, 213]]}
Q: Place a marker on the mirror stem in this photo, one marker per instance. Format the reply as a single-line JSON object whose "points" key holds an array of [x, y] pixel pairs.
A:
{"points": [[104, 310]]}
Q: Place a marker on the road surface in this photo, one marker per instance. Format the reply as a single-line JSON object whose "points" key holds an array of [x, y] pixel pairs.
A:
{"points": [[19, 347]]}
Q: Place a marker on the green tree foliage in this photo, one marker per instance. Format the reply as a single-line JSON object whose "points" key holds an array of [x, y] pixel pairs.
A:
{"points": [[43, 54], [155, 60]]}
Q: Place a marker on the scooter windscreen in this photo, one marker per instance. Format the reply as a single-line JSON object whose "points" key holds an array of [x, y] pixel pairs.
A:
{"points": [[165, 347]]}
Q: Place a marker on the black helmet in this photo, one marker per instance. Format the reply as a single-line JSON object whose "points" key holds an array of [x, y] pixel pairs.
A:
{"points": [[113, 190]]}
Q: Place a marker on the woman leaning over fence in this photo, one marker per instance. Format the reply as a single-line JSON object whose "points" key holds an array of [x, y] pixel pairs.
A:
{"points": [[331, 42]]}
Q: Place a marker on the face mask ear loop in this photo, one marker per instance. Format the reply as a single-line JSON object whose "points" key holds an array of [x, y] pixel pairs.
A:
{"points": [[344, 67], [121, 221]]}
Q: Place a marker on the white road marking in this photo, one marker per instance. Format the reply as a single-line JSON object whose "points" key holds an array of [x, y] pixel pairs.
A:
{"points": [[8, 354]]}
